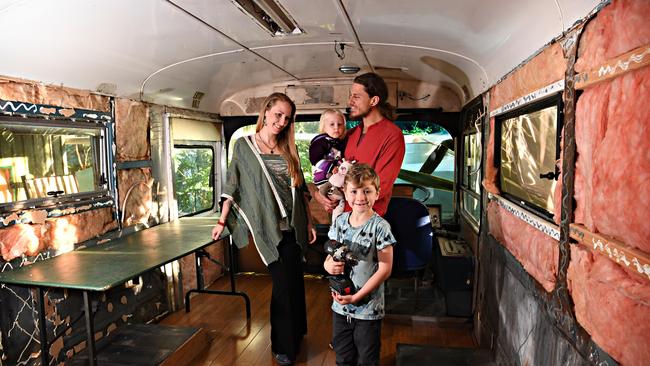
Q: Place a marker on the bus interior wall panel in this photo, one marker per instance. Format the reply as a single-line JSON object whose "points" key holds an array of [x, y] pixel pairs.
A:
{"points": [[610, 133], [537, 252], [516, 319], [138, 303], [39, 93], [58, 233], [132, 130], [611, 129], [136, 196], [591, 278], [542, 70]]}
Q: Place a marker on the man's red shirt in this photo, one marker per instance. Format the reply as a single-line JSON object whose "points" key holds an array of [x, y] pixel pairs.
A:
{"points": [[382, 147]]}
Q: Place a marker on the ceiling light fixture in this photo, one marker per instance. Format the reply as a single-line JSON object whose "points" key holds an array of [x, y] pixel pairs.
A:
{"points": [[349, 68], [270, 15]]}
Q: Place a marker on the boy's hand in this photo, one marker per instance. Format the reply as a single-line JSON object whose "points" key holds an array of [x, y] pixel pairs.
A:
{"points": [[345, 299], [332, 267]]}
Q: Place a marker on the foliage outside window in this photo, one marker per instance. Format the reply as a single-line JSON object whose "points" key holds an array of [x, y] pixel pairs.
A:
{"points": [[41, 159], [193, 167], [527, 155], [305, 132]]}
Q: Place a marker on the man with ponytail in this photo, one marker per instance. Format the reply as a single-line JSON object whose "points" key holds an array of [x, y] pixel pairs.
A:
{"points": [[376, 141]]}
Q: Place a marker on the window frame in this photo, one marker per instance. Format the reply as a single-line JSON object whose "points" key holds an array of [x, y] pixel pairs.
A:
{"points": [[554, 100], [215, 180], [103, 143], [464, 187]]}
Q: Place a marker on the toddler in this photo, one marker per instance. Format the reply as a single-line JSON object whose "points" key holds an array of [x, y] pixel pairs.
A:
{"points": [[326, 149]]}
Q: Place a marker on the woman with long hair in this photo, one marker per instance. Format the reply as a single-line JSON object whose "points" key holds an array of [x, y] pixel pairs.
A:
{"points": [[265, 196]]}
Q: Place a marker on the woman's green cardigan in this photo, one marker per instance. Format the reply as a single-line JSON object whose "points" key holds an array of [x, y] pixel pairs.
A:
{"points": [[256, 208]]}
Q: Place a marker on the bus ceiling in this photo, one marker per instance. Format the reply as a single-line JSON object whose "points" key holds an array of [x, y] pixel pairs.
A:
{"points": [[220, 56]]}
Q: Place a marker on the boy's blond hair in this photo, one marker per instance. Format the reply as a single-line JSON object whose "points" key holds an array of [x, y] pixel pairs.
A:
{"points": [[359, 173], [321, 123]]}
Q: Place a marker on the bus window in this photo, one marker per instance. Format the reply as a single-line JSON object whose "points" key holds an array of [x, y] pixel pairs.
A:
{"points": [[42, 159], [422, 140], [528, 152], [470, 180], [192, 171], [429, 162], [305, 131]]}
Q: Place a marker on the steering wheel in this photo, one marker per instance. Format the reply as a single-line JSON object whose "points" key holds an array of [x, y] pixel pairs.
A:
{"points": [[418, 192]]}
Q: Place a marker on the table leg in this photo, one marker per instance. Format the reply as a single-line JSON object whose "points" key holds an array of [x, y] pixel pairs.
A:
{"points": [[42, 328], [90, 330], [200, 282]]}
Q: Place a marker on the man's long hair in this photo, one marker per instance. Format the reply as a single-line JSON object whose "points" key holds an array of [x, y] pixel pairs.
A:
{"points": [[376, 86]]}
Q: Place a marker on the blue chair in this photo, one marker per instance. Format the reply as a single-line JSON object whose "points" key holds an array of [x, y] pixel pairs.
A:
{"points": [[411, 225]]}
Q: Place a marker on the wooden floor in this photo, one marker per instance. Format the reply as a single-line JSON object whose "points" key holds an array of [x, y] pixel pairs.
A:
{"points": [[234, 341]]}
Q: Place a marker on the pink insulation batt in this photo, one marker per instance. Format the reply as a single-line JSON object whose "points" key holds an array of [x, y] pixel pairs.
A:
{"points": [[20, 239], [612, 186], [537, 252], [612, 305]]}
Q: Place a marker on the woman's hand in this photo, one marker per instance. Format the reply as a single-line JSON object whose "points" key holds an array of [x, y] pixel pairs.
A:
{"points": [[327, 203], [311, 233], [217, 230], [332, 267]]}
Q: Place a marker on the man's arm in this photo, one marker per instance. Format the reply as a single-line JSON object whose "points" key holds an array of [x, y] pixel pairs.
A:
{"points": [[387, 167]]}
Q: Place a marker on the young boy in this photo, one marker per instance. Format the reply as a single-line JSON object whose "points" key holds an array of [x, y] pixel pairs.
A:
{"points": [[356, 318]]}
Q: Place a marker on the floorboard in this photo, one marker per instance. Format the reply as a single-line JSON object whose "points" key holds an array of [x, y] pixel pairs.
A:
{"points": [[234, 341]]}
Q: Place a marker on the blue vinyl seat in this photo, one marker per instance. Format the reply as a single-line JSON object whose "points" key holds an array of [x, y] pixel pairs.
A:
{"points": [[411, 225]]}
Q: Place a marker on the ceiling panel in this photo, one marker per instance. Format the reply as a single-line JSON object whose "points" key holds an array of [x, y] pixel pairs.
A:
{"points": [[217, 77], [160, 47], [90, 42]]}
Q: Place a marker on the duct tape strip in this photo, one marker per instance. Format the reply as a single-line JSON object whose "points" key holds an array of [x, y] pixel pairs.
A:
{"points": [[531, 219], [556, 87], [620, 65], [12, 107], [615, 250]]}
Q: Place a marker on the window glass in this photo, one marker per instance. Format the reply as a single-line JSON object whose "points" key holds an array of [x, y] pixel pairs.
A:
{"points": [[305, 132], [470, 184], [192, 178], [42, 160], [423, 139], [472, 161], [471, 206], [429, 153], [242, 131], [528, 154]]}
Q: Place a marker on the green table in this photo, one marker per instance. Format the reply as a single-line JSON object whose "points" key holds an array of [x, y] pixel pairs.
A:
{"points": [[104, 266]]}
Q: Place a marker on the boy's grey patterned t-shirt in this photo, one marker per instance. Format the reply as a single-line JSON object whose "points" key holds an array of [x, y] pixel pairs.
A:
{"points": [[364, 241]]}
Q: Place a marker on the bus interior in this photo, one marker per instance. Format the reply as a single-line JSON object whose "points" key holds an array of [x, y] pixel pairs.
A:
{"points": [[524, 124]]}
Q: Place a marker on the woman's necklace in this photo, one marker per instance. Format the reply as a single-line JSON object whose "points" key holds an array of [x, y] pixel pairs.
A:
{"points": [[271, 148]]}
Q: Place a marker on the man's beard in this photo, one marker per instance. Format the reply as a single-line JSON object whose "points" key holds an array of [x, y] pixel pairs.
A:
{"points": [[361, 115]]}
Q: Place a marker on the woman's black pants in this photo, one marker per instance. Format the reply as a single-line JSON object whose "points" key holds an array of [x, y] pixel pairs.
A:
{"points": [[288, 309]]}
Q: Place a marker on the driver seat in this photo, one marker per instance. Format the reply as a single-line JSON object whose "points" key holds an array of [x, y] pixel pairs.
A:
{"points": [[411, 226]]}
